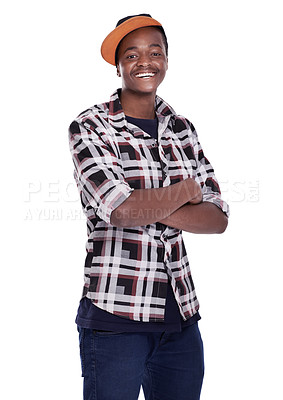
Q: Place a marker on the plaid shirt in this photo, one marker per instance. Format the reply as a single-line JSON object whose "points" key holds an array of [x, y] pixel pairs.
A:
{"points": [[127, 269]]}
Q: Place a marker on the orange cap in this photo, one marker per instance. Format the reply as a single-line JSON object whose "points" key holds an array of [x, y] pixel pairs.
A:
{"points": [[123, 27]]}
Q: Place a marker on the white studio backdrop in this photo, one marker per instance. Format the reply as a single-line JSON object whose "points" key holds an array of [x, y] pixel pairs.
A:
{"points": [[225, 75]]}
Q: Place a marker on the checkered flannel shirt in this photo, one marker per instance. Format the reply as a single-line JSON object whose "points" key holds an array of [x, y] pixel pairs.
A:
{"points": [[127, 269]]}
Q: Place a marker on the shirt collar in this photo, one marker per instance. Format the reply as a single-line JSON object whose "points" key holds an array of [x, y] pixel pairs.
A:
{"points": [[117, 117]]}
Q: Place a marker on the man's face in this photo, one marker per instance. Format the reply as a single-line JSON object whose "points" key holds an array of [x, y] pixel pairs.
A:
{"points": [[142, 60]]}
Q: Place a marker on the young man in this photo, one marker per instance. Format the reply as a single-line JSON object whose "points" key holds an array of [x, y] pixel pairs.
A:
{"points": [[143, 178]]}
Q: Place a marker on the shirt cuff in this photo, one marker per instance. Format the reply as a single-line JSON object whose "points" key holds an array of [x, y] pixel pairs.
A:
{"points": [[216, 199], [116, 196]]}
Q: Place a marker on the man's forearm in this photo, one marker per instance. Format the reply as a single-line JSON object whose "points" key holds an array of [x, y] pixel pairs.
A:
{"points": [[146, 206], [200, 218]]}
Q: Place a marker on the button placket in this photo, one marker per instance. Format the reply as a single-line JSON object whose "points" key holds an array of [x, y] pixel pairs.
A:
{"points": [[167, 246]]}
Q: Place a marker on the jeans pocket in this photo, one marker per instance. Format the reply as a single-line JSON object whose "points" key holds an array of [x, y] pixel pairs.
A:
{"points": [[100, 332]]}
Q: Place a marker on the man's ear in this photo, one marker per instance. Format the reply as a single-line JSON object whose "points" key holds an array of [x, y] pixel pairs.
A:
{"points": [[118, 70]]}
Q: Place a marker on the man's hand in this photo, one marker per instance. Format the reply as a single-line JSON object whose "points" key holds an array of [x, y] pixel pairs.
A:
{"points": [[194, 190], [198, 198]]}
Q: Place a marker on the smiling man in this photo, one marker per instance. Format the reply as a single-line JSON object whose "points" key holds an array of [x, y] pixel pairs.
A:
{"points": [[142, 65], [143, 178]]}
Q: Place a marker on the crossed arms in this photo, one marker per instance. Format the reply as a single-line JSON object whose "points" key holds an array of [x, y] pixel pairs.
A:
{"points": [[192, 205], [179, 205]]}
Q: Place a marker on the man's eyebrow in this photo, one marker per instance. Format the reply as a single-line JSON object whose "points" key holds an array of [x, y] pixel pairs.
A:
{"points": [[155, 45], [135, 47], [130, 48]]}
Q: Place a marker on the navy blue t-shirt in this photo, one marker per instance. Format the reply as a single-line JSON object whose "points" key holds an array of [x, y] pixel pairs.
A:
{"points": [[93, 317]]}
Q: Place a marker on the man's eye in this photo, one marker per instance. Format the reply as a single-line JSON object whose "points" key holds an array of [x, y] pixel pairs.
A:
{"points": [[156, 54], [131, 56]]}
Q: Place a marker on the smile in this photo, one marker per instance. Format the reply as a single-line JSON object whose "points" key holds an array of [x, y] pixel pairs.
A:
{"points": [[145, 75]]}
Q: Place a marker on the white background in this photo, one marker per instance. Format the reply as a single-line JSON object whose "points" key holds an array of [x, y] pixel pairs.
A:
{"points": [[225, 75]]}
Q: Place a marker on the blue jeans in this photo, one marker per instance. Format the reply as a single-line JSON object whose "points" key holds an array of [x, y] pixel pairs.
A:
{"points": [[169, 366]]}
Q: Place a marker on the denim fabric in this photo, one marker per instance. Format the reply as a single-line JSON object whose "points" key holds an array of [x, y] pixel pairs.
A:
{"points": [[168, 366]]}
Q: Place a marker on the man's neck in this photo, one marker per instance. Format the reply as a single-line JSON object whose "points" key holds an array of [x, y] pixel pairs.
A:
{"points": [[138, 105]]}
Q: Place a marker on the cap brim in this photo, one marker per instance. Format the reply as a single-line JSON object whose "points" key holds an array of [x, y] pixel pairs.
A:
{"points": [[111, 41]]}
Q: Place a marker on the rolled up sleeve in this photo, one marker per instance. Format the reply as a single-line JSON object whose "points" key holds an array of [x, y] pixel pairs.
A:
{"points": [[205, 176], [98, 171]]}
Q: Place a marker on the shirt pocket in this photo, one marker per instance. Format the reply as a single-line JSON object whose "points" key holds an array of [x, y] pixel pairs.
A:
{"points": [[141, 166], [181, 162], [143, 174], [180, 170]]}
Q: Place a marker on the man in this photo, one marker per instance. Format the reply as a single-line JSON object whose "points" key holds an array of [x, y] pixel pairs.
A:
{"points": [[143, 178]]}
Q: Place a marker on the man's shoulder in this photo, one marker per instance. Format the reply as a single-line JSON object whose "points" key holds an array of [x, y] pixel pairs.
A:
{"points": [[93, 119], [182, 124], [94, 112]]}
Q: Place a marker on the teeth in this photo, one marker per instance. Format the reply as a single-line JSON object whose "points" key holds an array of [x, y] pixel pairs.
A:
{"points": [[144, 74]]}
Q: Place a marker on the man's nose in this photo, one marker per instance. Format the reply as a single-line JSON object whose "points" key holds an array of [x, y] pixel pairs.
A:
{"points": [[144, 60]]}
